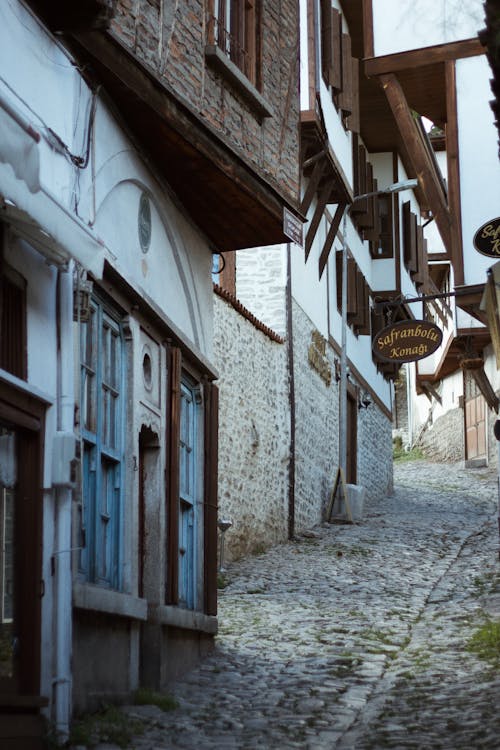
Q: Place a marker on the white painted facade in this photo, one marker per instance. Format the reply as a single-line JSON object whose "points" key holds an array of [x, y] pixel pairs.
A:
{"points": [[59, 216], [399, 27]]}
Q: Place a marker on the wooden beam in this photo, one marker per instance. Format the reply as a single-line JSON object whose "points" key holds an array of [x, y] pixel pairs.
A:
{"points": [[332, 233], [375, 66], [419, 157], [317, 174], [453, 166], [318, 215], [430, 390], [368, 42]]}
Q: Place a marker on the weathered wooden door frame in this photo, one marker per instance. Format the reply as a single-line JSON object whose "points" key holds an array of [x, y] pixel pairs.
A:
{"points": [[25, 414]]}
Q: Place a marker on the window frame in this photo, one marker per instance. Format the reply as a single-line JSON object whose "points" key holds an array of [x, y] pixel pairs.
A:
{"points": [[103, 465], [13, 317], [203, 592], [238, 35]]}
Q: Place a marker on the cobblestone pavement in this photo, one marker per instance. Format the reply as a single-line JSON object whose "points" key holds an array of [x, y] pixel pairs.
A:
{"points": [[355, 636]]}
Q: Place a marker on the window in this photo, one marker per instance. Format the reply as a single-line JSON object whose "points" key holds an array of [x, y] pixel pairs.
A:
{"points": [[13, 323], [188, 491], [358, 296], [340, 69], [191, 580], [233, 28], [382, 245], [101, 405]]}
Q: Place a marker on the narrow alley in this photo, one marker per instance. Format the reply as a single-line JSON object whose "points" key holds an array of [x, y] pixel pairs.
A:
{"points": [[355, 636]]}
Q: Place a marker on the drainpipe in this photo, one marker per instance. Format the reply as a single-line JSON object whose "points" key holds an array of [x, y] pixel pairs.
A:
{"points": [[61, 559], [291, 394], [409, 405]]}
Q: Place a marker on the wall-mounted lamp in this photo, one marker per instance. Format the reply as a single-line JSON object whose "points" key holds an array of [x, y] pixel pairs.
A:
{"points": [[364, 401]]}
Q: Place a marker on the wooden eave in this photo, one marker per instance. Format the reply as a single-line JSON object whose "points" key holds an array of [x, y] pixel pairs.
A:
{"points": [[479, 338], [315, 146], [232, 204], [469, 299]]}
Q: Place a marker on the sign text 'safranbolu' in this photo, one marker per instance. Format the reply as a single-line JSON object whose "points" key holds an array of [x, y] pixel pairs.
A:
{"points": [[407, 341]]}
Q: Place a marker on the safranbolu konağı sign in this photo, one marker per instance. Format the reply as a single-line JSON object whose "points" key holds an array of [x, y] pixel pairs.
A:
{"points": [[487, 239], [407, 341]]}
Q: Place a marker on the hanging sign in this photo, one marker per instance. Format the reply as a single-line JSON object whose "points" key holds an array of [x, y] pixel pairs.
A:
{"points": [[292, 227], [407, 341], [487, 239]]}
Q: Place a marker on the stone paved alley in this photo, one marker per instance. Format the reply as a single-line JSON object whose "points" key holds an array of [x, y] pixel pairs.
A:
{"points": [[354, 636]]}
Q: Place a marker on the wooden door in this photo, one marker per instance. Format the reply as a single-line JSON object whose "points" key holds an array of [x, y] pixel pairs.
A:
{"points": [[475, 427], [21, 586], [352, 440]]}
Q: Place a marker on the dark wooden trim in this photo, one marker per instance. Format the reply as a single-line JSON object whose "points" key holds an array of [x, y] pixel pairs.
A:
{"points": [[368, 42], [336, 80], [428, 179], [172, 478], [353, 121], [318, 215], [396, 213], [453, 166], [227, 277], [26, 414], [332, 233], [375, 66], [345, 95], [312, 186], [311, 52], [211, 432]]}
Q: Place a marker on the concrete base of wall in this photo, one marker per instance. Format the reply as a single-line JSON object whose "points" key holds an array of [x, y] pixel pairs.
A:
{"points": [[168, 653], [102, 663]]}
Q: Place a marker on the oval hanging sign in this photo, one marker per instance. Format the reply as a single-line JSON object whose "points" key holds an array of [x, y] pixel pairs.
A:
{"points": [[407, 341], [487, 239]]}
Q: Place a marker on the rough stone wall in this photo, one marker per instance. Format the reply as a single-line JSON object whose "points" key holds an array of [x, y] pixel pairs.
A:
{"points": [[375, 465], [444, 440], [400, 426], [316, 432], [492, 441], [261, 281], [254, 433], [170, 38]]}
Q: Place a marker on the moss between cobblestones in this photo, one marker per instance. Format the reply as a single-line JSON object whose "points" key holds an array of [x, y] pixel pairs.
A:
{"points": [[109, 725], [485, 642]]}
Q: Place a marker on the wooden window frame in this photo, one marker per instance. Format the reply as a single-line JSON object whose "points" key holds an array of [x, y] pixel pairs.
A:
{"points": [[26, 414], [206, 568], [13, 318], [102, 401], [382, 239], [234, 27], [358, 295]]}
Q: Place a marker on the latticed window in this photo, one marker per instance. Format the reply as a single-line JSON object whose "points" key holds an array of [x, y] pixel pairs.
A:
{"points": [[233, 27], [102, 400]]}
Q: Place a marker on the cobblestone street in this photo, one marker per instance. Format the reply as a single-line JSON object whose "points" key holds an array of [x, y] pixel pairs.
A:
{"points": [[354, 636]]}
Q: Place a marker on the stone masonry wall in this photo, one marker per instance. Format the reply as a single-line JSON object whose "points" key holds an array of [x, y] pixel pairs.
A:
{"points": [[443, 440], [316, 432], [170, 39], [254, 433], [261, 282], [375, 466]]}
